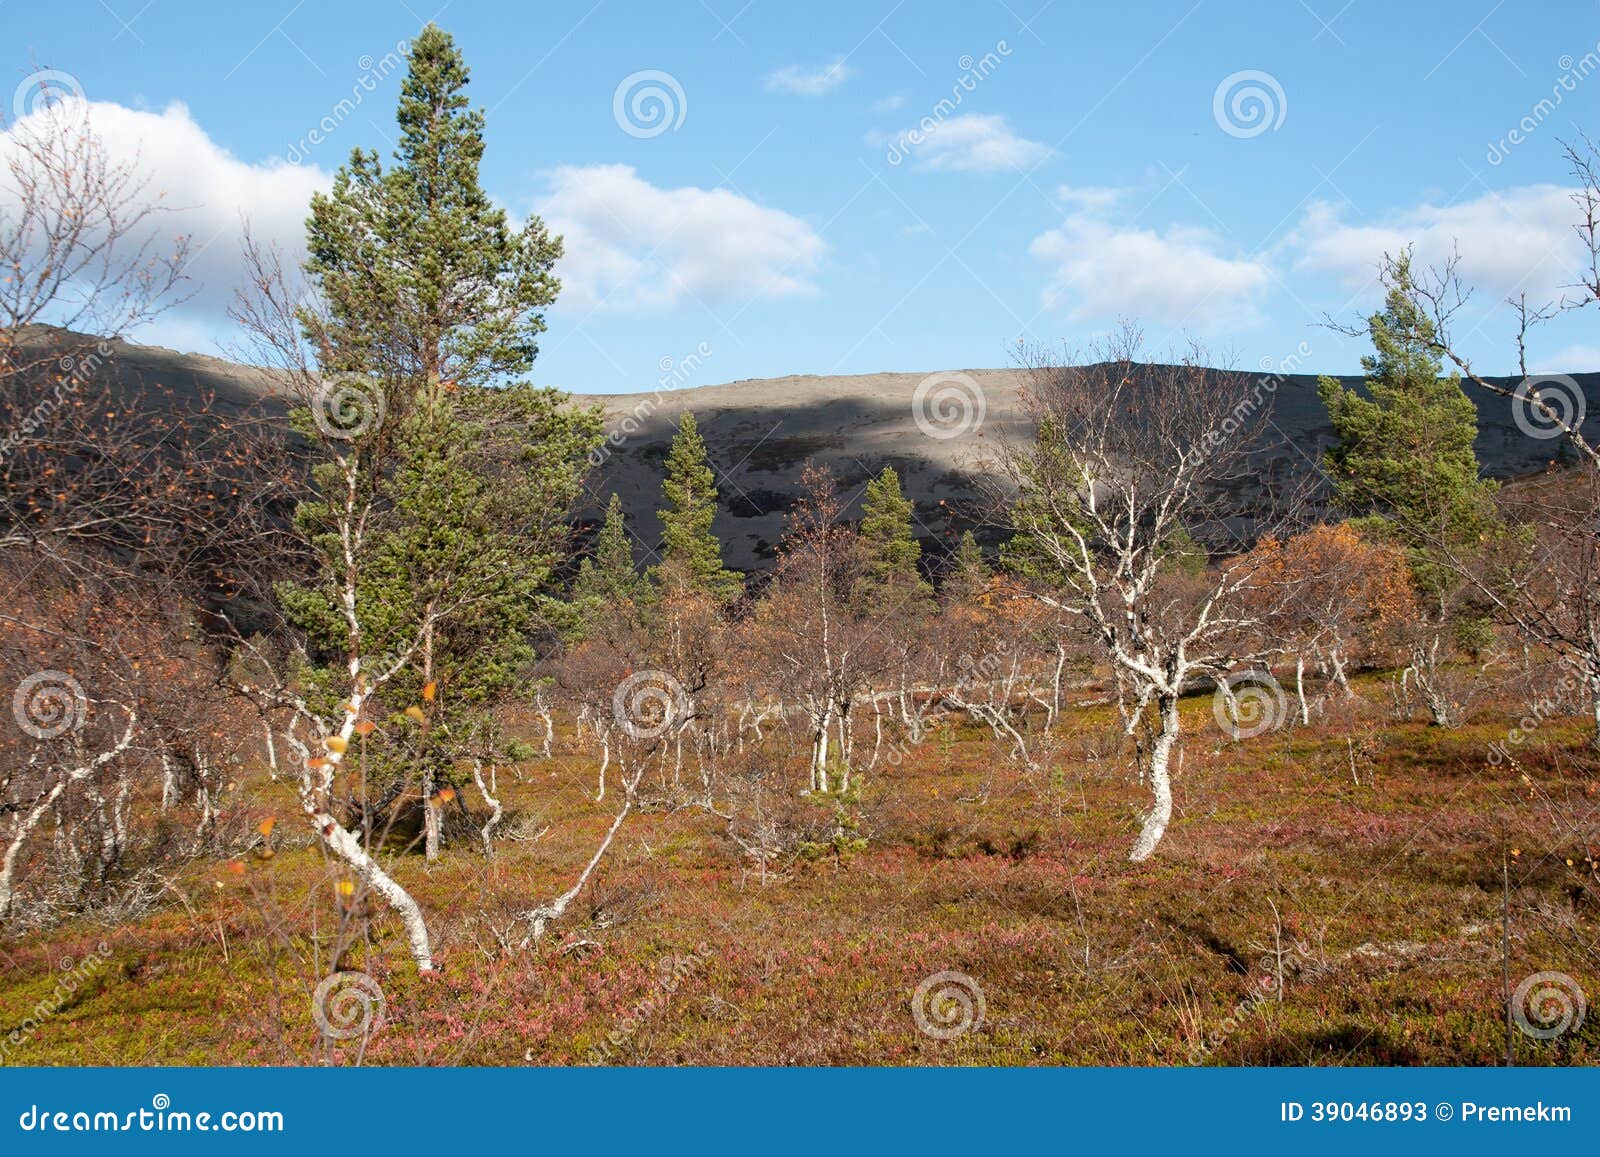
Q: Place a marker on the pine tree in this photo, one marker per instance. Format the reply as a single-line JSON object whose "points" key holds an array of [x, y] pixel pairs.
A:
{"points": [[442, 522], [890, 579], [691, 556], [424, 280], [608, 580], [968, 574], [1405, 456]]}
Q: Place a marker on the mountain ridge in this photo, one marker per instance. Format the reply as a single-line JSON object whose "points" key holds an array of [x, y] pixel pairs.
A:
{"points": [[759, 431]]}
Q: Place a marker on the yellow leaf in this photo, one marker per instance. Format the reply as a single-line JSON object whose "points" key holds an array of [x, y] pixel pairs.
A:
{"points": [[415, 712], [337, 743], [429, 690], [346, 888], [266, 826]]}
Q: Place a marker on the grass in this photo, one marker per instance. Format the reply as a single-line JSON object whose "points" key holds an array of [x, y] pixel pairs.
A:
{"points": [[1388, 880]]}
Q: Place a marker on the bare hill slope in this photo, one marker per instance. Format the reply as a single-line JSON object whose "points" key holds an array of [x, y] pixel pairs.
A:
{"points": [[760, 432]]}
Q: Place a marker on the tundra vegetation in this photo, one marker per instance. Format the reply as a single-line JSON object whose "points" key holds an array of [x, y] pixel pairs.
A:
{"points": [[1168, 775]]}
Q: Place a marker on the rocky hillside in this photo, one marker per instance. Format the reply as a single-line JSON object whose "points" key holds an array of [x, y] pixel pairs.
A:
{"points": [[761, 431]]}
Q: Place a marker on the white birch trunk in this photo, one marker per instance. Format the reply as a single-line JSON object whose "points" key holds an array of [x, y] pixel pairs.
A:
{"points": [[23, 826], [1160, 813], [1300, 689], [487, 831]]}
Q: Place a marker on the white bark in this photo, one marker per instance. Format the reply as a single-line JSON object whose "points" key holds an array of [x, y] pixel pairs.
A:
{"points": [[23, 825], [487, 831], [539, 918], [1300, 689], [1160, 813], [272, 750]]}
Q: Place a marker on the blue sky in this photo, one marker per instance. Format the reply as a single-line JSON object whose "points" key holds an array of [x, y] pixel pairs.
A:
{"points": [[784, 220]]}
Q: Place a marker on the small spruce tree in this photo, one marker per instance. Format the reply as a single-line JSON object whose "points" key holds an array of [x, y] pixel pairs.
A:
{"points": [[890, 579], [691, 556], [968, 573], [607, 580]]}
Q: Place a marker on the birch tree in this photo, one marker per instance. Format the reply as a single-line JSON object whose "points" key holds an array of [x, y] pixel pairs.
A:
{"points": [[1122, 515]]}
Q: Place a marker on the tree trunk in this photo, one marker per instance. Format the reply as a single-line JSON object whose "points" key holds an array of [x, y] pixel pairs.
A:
{"points": [[487, 831], [430, 816], [343, 843], [22, 826], [1055, 688], [549, 724], [1300, 689], [169, 781], [1336, 661], [19, 834], [819, 750], [1160, 813], [1594, 696]]}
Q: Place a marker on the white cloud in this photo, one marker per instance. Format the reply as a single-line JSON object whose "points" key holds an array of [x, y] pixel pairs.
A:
{"points": [[208, 194], [891, 103], [1179, 276], [971, 143], [631, 244], [1519, 239], [1572, 359], [809, 82], [1091, 198]]}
